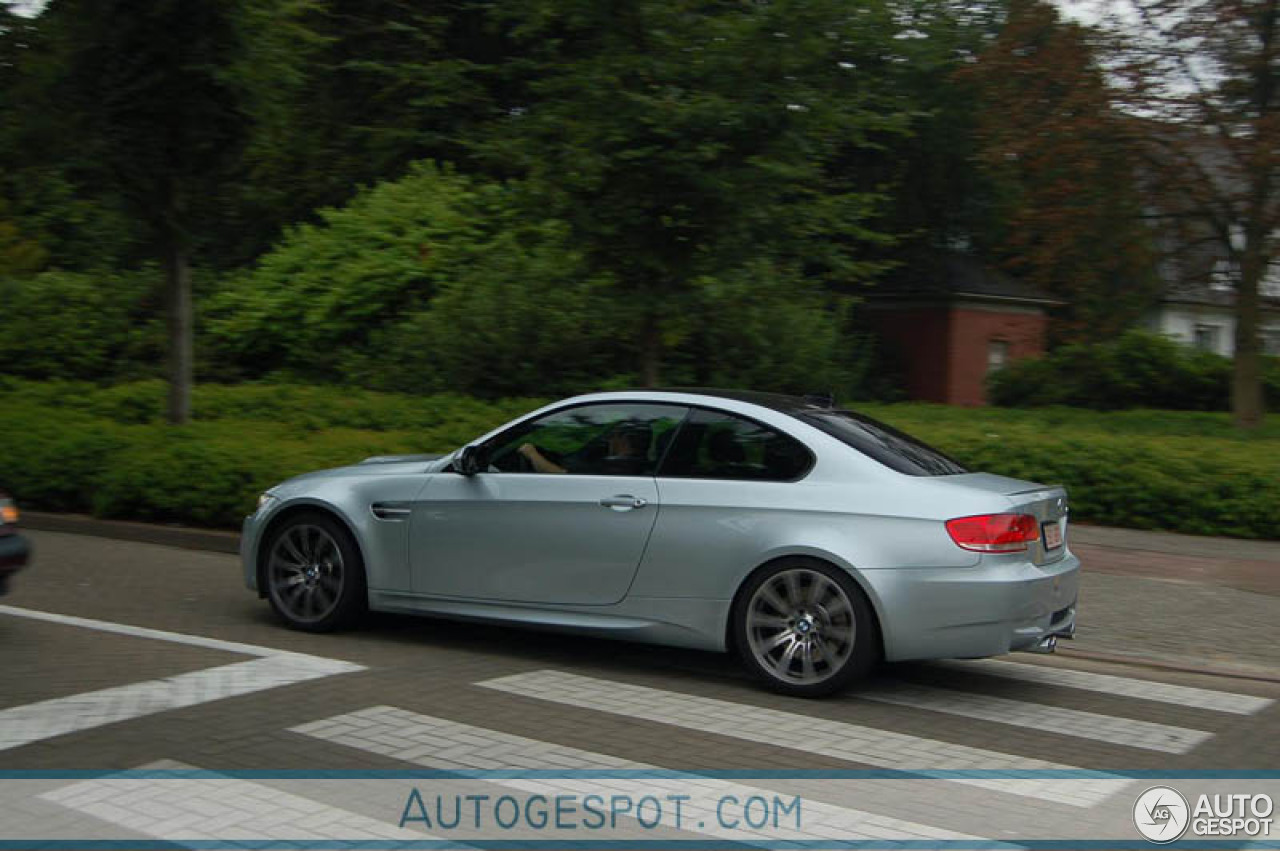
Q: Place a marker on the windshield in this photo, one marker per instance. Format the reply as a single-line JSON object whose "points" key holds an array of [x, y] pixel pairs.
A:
{"points": [[885, 444]]}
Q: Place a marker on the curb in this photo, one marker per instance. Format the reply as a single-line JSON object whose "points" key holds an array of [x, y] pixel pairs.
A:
{"points": [[1157, 664], [183, 537]]}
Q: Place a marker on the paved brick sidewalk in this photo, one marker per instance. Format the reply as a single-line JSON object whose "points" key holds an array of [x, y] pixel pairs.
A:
{"points": [[1227, 562], [1195, 626], [1179, 600]]}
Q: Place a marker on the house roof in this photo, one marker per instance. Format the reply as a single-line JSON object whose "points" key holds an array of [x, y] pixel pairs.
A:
{"points": [[1204, 294], [960, 276]]}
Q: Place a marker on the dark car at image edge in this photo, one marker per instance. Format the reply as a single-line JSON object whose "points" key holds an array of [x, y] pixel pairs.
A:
{"points": [[15, 551]]}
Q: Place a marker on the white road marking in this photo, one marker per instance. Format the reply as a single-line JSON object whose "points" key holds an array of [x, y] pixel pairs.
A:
{"points": [[795, 731], [218, 809], [1038, 716], [1197, 698], [443, 744], [33, 722], [145, 632]]}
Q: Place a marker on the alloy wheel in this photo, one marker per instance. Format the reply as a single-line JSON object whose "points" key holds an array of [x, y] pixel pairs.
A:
{"points": [[306, 573], [801, 626]]}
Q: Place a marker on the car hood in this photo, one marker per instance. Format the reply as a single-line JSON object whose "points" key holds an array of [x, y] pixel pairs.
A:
{"points": [[377, 465], [400, 459]]}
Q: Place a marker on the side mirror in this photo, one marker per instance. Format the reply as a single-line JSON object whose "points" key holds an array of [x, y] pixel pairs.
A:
{"points": [[471, 460]]}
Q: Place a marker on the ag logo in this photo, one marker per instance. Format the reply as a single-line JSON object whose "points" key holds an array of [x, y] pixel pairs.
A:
{"points": [[1161, 814]]}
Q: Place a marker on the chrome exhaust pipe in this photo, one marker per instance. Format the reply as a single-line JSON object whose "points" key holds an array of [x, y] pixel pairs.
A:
{"points": [[1048, 644]]}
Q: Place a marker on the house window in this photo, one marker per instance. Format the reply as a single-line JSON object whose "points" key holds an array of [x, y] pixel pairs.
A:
{"points": [[1206, 337], [1224, 275], [997, 355], [1270, 341]]}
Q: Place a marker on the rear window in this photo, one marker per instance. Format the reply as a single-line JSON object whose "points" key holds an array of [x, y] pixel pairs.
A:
{"points": [[717, 445], [886, 444]]}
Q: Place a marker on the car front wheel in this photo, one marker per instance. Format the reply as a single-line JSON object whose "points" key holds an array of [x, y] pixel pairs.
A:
{"points": [[804, 628], [315, 576]]}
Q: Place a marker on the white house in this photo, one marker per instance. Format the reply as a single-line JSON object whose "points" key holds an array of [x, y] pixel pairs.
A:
{"points": [[1203, 315]]}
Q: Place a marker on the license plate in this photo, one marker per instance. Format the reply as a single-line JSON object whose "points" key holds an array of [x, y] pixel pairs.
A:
{"points": [[1052, 535]]}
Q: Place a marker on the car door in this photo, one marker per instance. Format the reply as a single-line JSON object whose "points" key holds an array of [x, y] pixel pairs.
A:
{"points": [[570, 529], [730, 493]]}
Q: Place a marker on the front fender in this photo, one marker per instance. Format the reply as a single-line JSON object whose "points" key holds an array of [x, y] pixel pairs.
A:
{"points": [[382, 541]]}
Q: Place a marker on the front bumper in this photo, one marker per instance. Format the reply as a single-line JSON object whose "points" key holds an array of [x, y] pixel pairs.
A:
{"points": [[15, 553], [249, 533], [1001, 605]]}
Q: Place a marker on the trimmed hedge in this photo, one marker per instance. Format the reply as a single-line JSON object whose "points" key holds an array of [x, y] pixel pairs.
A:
{"points": [[1136, 370], [1176, 471], [73, 447]]}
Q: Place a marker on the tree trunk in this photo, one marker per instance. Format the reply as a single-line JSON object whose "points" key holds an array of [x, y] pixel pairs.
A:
{"points": [[181, 347], [651, 350], [1246, 379]]}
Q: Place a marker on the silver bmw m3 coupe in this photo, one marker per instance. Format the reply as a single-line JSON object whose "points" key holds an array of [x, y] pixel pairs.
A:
{"points": [[812, 541]]}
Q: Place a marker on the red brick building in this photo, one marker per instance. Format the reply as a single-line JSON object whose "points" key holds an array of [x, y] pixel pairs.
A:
{"points": [[948, 333]]}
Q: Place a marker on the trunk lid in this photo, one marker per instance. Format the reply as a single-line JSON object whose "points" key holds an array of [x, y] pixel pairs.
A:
{"points": [[1047, 503]]}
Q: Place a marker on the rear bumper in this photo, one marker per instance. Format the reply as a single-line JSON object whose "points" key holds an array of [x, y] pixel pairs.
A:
{"points": [[999, 606], [15, 553]]}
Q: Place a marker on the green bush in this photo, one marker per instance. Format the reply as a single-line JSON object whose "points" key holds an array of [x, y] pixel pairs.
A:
{"points": [[431, 283], [78, 325], [1137, 370], [767, 328], [439, 283], [73, 447], [55, 459], [1185, 472]]}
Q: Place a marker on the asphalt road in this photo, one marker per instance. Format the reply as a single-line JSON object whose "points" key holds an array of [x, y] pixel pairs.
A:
{"points": [[123, 655]]}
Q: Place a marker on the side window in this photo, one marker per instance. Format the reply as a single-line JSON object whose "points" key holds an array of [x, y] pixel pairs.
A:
{"points": [[619, 439], [716, 445]]}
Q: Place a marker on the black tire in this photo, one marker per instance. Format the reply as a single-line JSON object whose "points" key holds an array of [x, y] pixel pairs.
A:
{"points": [[314, 574], [838, 632]]}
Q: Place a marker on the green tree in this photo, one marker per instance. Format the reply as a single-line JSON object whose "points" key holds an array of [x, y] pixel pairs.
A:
{"points": [[363, 89], [147, 100], [1061, 174], [1204, 75], [939, 198], [684, 140]]}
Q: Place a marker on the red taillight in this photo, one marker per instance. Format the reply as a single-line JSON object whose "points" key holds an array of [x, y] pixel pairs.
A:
{"points": [[994, 533]]}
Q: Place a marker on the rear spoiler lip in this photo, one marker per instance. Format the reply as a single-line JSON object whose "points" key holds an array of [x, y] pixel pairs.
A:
{"points": [[1040, 489]]}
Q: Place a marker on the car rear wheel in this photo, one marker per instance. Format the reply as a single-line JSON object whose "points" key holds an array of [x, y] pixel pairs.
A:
{"points": [[804, 628], [315, 576]]}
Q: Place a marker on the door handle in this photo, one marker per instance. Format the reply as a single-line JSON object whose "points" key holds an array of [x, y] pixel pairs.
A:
{"points": [[623, 502]]}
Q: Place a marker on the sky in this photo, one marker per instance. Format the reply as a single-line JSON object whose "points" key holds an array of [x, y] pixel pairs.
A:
{"points": [[1085, 11]]}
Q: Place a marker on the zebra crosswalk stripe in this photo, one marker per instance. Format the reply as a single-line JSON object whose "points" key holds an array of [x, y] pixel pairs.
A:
{"points": [[1037, 716], [1196, 698], [216, 809], [33, 722], [852, 742], [444, 744], [272, 668]]}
